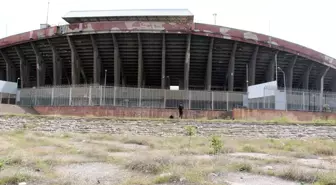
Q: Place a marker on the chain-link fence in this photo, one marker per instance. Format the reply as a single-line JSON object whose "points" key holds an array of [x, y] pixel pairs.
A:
{"points": [[129, 97], [86, 95]]}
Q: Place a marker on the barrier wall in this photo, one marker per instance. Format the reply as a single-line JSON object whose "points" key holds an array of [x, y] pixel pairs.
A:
{"points": [[259, 114], [129, 112]]}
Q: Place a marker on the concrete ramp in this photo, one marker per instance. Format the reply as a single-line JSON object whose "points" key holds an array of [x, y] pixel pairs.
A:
{"points": [[16, 109]]}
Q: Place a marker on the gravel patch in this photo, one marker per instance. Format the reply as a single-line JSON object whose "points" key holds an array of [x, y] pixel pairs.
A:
{"points": [[248, 179], [91, 173], [167, 128]]}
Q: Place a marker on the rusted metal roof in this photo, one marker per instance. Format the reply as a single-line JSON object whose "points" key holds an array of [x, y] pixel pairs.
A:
{"points": [[170, 27], [178, 15]]}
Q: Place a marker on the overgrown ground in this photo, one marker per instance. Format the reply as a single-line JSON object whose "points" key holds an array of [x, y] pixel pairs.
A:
{"points": [[61, 158]]}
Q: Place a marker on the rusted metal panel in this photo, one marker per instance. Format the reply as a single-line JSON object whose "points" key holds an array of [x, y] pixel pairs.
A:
{"points": [[128, 26], [263, 40], [27, 36]]}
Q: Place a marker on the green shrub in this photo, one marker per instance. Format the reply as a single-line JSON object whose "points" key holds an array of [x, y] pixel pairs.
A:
{"points": [[216, 144]]}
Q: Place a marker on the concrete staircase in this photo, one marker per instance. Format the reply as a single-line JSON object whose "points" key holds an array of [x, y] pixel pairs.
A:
{"points": [[16, 109]]}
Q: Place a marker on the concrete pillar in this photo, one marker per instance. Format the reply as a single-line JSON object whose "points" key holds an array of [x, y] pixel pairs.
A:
{"points": [[231, 68], [163, 62], [10, 68], [75, 68], [306, 74], [252, 67], [270, 73], [209, 66], [116, 62], [24, 69], [40, 66], [140, 62], [2, 75], [319, 77], [96, 62], [289, 73], [187, 63], [333, 82], [57, 65]]}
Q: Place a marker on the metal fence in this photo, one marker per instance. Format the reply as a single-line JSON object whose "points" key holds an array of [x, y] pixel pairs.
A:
{"points": [[295, 99], [129, 97]]}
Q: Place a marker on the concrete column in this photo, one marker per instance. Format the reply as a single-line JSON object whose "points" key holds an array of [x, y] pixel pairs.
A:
{"points": [[140, 62], [57, 65], [270, 73], [24, 69], [40, 66], [2, 75], [289, 73], [96, 62], [252, 66], [305, 79], [10, 68], [333, 82], [187, 64], [319, 77], [116, 62], [209, 66], [75, 68], [163, 63], [231, 68]]}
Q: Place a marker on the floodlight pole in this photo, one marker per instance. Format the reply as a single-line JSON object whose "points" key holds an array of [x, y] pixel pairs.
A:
{"points": [[215, 15]]}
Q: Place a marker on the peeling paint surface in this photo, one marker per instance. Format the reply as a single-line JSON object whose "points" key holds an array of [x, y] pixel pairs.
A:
{"points": [[170, 27]]}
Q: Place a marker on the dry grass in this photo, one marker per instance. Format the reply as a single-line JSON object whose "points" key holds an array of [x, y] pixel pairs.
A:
{"points": [[170, 155]]}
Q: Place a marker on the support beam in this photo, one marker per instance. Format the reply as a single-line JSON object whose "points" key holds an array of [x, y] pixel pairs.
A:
{"points": [[76, 64], [305, 78], [24, 68], [187, 63], [40, 66], [270, 73], [252, 66], [209, 66], [163, 62], [289, 73], [333, 82], [231, 68], [57, 65], [117, 62], [96, 62], [140, 63], [10, 68], [320, 77]]}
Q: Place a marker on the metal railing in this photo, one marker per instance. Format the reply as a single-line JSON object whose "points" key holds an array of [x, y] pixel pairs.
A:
{"points": [[95, 95], [129, 97]]}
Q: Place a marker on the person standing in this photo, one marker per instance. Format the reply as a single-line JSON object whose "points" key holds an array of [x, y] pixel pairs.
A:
{"points": [[180, 109]]}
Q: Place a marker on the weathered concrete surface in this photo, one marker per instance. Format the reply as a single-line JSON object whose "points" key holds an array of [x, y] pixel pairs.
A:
{"points": [[128, 112], [164, 128], [15, 109], [259, 114]]}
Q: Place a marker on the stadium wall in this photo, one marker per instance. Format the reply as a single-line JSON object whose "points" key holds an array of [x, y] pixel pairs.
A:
{"points": [[101, 111], [236, 114], [272, 115]]}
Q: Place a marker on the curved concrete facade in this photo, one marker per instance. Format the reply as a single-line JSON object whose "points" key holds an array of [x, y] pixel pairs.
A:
{"points": [[158, 54]]}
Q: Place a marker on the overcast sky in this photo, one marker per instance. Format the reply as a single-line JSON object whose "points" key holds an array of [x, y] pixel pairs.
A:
{"points": [[307, 22]]}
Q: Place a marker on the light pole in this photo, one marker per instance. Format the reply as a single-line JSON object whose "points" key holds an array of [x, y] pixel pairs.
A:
{"points": [[215, 15], [105, 87], [284, 79]]}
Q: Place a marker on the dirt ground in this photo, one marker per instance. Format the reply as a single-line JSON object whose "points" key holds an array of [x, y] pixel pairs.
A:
{"points": [[61, 157]]}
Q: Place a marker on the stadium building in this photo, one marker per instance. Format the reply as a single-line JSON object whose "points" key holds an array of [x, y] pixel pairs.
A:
{"points": [[158, 49]]}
